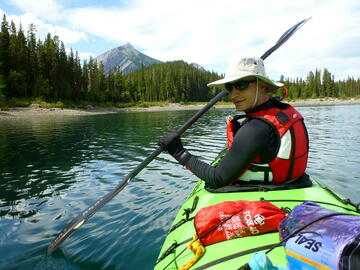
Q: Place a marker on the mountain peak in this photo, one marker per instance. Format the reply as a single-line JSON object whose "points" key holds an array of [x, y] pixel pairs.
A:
{"points": [[128, 45], [125, 57]]}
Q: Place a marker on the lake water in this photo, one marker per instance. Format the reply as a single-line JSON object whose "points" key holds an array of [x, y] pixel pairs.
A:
{"points": [[51, 169]]}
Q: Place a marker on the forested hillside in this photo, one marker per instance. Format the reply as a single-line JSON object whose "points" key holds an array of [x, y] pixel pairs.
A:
{"points": [[320, 84], [172, 81], [31, 68]]}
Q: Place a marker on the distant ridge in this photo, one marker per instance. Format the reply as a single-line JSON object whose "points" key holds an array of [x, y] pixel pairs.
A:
{"points": [[198, 66], [126, 57]]}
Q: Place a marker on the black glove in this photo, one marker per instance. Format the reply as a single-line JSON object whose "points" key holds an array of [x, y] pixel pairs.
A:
{"points": [[172, 143]]}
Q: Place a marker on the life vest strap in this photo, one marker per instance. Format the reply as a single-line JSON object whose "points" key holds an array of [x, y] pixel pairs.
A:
{"points": [[266, 170], [256, 168]]}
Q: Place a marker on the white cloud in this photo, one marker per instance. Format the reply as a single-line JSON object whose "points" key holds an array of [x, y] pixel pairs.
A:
{"points": [[211, 32], [46, 9], [66, 35]]}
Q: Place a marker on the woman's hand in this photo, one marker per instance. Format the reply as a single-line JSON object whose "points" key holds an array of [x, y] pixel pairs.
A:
{"points": [[172, 143]]}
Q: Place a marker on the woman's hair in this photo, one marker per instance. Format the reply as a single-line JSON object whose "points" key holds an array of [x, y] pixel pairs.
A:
{"points": [[269, 89]]}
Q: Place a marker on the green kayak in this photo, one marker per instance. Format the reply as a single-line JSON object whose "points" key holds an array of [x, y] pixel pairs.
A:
{"points": [[234, 253]]}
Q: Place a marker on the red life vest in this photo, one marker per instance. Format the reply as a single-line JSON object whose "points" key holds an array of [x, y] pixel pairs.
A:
{"points": [[291, 159]]}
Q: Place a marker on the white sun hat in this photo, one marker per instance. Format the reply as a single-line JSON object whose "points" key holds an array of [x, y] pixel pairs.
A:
{"points": [[246, 67]]}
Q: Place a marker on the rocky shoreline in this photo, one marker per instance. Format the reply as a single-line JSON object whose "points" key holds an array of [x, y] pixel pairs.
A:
{"points": [[35, 110]]}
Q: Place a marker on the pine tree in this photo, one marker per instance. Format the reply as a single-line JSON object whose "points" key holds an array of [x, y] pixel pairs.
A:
{"points": [[32, 56], [318, 86], [63, 74], [328, 84], [77, 82], [48, 55], [310, 87], [5, 54], [101, 92], [2, 87], [84, 80], [17, 78]]}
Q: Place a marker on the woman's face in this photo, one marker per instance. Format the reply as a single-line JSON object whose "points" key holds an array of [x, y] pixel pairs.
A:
{"points": [[244, 99]]}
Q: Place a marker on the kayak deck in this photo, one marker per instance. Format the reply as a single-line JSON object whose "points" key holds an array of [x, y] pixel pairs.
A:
{"points": [[234, 253]]}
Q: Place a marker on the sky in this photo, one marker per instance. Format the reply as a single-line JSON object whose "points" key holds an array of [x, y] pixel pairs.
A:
{"points": [[210, 33]]}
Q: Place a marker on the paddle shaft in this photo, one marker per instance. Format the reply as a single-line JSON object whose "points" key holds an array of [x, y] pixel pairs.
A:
{"points": [[90, 211]]}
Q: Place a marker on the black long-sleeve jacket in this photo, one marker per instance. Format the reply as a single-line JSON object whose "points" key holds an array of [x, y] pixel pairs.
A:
{"points": [[254, 138]]}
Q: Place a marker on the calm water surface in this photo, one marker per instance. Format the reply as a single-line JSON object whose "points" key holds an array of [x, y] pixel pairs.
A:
{"points": [[51, 169]]}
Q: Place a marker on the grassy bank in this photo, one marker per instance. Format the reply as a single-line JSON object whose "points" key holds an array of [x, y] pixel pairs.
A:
{"points": [[19, 102]]}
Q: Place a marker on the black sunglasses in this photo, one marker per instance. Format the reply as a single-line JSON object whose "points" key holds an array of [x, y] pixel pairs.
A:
{"points": [[239, 85]]}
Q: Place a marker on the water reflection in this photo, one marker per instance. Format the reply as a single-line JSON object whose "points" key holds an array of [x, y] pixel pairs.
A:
{"points": [[334, 146]]}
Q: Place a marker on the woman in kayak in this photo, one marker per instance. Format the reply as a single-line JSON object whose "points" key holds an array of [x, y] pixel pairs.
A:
{"points": [[270, 144]]}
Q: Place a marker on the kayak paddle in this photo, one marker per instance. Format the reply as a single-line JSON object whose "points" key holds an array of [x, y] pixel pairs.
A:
{"points": [[90, 211]]}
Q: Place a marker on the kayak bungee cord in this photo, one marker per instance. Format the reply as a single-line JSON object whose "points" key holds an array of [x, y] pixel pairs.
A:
{"points": [[319, 202], [187, 213], [90, 211], [344, 201]]}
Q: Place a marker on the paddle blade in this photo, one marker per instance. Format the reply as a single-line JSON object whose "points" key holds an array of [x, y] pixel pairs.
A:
{"points": [[284, 38], [64, 234]]}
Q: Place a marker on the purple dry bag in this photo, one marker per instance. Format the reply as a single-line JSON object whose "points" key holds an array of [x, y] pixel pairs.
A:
{"points": [[332, 242]]}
